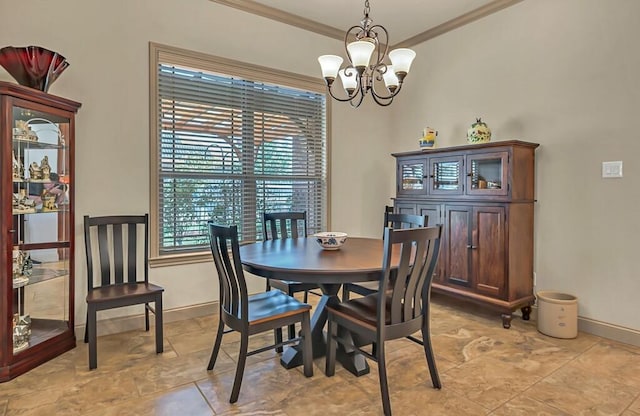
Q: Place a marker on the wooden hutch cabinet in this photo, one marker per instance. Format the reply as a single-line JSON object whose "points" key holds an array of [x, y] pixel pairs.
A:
{"points": [[36, 228], [483, 194]]}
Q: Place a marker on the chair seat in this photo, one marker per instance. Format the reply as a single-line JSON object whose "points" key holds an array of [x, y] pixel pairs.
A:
{"points": [[272, 305], [362, 309], [122, 291]]}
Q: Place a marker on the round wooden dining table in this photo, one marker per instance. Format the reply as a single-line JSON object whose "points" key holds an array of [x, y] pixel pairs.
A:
{"points": [[303, 260]]}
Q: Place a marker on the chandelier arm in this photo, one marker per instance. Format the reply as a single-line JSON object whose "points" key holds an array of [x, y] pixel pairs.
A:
{"points": [[360, 99], [357, 35], [381, 53], [379, 100], [375, 94], [349, 97]]}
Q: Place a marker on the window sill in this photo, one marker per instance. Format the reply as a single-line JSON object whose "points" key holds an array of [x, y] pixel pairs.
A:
{"points": [[179, 259]]}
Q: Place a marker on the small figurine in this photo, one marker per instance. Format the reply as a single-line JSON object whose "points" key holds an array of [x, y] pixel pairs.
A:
{"points": [[428, 139], [479, 132], [21, 332], [35, 172], [21, 203], [18, 168], [45, 168], [23, 131], [49, 200], [22, 269]]}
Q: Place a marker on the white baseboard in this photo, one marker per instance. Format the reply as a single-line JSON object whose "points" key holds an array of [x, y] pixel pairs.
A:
{"points": [[133, 322], [606, 330], [601, 329]]}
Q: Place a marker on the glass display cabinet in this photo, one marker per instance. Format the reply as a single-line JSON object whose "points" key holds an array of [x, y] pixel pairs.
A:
{"points": [[483, 195], [37, 225]]}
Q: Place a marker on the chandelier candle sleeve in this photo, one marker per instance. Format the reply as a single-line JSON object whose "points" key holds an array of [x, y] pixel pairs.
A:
{"points": [[366, 71]]}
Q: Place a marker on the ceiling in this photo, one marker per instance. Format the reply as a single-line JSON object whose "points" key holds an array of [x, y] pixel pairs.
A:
{"points": [[408, 21]]}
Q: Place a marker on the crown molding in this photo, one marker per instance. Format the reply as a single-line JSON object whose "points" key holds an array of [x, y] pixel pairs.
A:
{"points": [[283, 17], [457, 22], [332, 32]]}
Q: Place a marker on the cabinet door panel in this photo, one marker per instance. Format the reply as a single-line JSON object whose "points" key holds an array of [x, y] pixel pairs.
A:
{"points": [[445, 175], [432, 211], [411, 176], [457, 241], [487, 173], [489, 257], [405, 208]]}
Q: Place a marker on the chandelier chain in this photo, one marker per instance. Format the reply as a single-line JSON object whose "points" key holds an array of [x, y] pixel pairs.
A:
{"points": [[366, 8]]}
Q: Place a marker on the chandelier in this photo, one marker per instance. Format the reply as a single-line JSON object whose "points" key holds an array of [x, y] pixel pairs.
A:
{"points": [[366, 43]]}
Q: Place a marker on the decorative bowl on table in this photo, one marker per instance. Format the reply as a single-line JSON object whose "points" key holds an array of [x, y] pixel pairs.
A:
{"points": [[331, 240], [33, 66]]}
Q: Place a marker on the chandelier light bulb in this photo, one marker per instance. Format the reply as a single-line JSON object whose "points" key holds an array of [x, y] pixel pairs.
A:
{"points": [[390, 79], [401, 60], [360, 53], [330, 64], [349, 81]]}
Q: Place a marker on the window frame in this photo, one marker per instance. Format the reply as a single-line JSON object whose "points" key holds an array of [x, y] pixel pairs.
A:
{"points": [[173, 55]]}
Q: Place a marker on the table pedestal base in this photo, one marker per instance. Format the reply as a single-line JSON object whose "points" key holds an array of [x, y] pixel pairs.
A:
{"points": [[351, 360]]}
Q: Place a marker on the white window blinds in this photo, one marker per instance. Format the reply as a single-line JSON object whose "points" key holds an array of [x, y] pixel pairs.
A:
{"points": [[231, 148]]}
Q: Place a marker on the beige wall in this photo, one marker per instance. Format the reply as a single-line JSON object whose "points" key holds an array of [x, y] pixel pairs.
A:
{"points": [[563, 74], [559, 73], [107, 46]]}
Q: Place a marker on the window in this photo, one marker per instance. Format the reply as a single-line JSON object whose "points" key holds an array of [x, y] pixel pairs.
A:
{"points": [[230, 141]]}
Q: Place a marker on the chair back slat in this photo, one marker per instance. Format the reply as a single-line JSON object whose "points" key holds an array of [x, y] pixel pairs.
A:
{"points": [[105, 257], [399, 221], [118, 254], [418, 248], [277, 225], [131, 257], [114, 248], [226, 257]]}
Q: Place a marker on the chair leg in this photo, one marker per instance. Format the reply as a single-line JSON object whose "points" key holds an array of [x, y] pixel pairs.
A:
{"points": [[146, 316], [242, 359], [216, 345], [345, 292], [431, 361], [277, 334], [92, 337], [268, 286], [382, 375], [86, 327], [332, 345], [159, 324], [307, 349], [306, 296], [292, 327], [292, 331]]}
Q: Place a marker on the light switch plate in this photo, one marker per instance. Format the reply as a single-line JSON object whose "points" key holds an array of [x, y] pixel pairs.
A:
{"points": [[612, 169]]}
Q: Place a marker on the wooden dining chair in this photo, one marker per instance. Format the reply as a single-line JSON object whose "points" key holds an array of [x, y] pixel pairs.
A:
{"points": [[117, 250], [397, 312], [277, 225], [395, 221], [254, 314]]}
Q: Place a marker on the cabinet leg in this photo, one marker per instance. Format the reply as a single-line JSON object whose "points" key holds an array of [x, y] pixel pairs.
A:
{"points": [[506, 320], [526, 312]]}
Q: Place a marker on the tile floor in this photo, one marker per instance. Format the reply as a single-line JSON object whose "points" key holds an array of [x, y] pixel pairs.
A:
{"points": [[485, 370]]}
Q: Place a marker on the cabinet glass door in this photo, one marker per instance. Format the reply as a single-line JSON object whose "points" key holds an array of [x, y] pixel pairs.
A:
{"points": [[41, 227], [445, 175], [411, 174], [487, 173]]}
